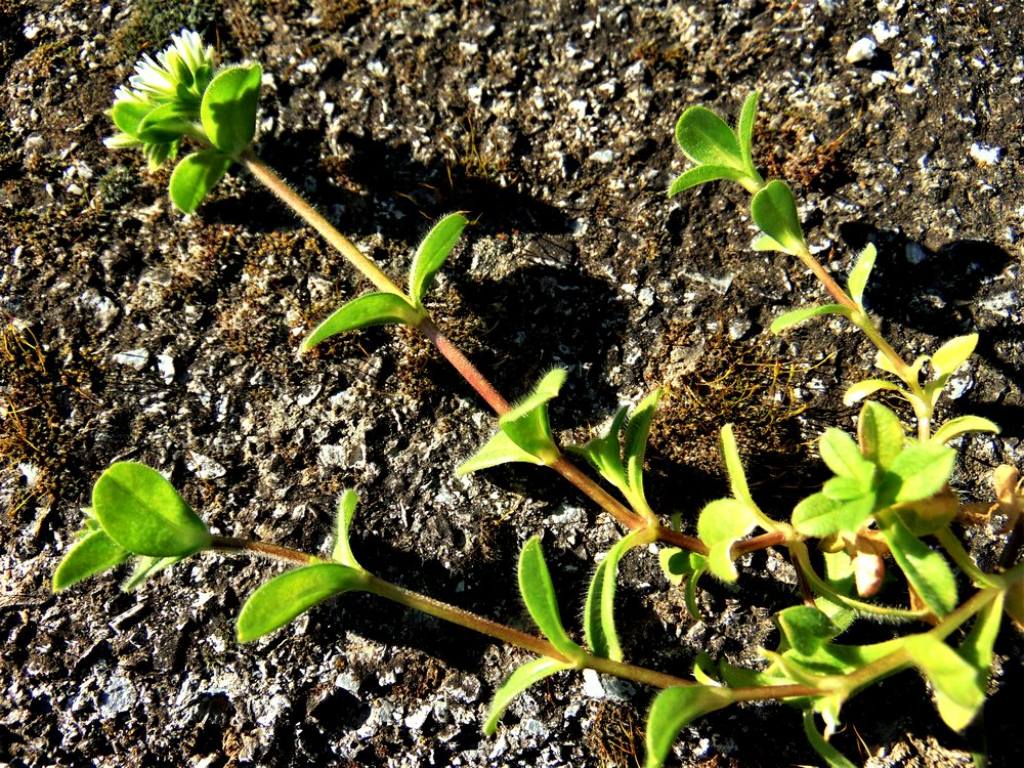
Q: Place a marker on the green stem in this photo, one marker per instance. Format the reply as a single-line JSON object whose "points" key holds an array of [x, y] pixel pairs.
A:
{"points": [[955, 549]]}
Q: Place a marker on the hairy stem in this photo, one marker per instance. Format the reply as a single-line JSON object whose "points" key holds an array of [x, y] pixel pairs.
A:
{"points": [[955, 549], [462, 364], [264, 548]]}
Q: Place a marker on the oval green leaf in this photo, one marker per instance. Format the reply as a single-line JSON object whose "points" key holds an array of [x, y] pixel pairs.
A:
{"points": [[530, 673], [195, 176], [128, 113], [706, 139], [142, 512], [432, 252], [797, 316], [94, 554], [282, 599], [861, 272], [229, 105], [369, 309], [926, 570], [961, 425], [703, 174], [959, 686], [865, 388], [166, 123], [774, 211], [745, 132], [953, 354], [539, 595], [720, 524], [675, 708], [923, 469], [599, 608], [880, 434], [638, 429], [527, 422]]}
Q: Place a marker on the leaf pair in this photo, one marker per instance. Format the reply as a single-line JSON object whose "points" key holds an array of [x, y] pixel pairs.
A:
{"points": [[392, 308], [618, 453], [599, 609], [135, 512], [718, 150], [524, 433]]}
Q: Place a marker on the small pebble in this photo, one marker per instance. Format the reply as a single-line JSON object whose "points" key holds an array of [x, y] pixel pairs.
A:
{"points": [[862, 50]]}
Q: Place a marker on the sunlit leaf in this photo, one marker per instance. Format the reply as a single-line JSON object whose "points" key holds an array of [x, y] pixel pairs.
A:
{"points": [[432, 252], [164, 124], [880, 434], [797, 316], [763, 242], [128, 113], [282, 599], [923, 470], [820, 516], [93, 554], [539, 595], [721, 523], [143, 513], [675, 708], [498, 450], [195, 176], [734, 465], [842, 455], [805, 628], [961, 425], [342, 552], [367, 310], [145, 569], [527, 422], [599, 608], [706, 139], [861, 389], [523, 677], [638, 429], [959, 688], [228, 110], [927, 570], [976, 648], [952, 355], [703, 174], [861, 272], [745, 131], [774, 211], [604, 452], [832, 756]]}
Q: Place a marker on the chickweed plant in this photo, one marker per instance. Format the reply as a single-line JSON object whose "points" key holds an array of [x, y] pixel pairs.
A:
{"points": [[887, 509]]}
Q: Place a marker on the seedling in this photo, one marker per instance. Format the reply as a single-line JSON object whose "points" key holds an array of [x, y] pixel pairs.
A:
{"points": [[888, 506]]}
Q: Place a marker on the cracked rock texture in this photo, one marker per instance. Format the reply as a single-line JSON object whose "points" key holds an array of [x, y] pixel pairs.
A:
{"points": [[130, 331]]}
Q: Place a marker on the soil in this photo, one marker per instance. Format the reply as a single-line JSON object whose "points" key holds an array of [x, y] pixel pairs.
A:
{"points": [[131, 332]]}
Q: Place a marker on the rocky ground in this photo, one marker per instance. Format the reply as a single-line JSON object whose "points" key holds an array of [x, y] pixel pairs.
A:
{"points": [[130, 331]]}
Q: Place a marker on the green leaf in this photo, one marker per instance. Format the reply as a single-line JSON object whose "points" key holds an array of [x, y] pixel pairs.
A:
{"points": [[675, 708], [976, 649], [195, 176], [432, 252], [635, 446], [720, 524], [745, 131], [342, 552], [679, 565], [527, 422], [702, 174], [926, 570], [599, 608], [832, 756], [805, 628], [143, 513], [706, 139], [861, 272], [523, 677], [145, 569], [923, 470], [367, 310], [861, 389], [959, 689], [157, 154], [604, 452], [91, 555], [842, 455], [539, 595], [164, 124], [954, 428], [229, 105], [282, 599], [797, 316], [952, 355], [127, 114], [879, 434], [762, 242], [734, 466], [820, 516], [498, 450], [774, 211]]}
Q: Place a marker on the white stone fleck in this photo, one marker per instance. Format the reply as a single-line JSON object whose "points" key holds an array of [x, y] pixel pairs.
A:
{"points": [[862, 50], [602, 156], [165, 364], [884, 32], [983, 154], [134, 358], [204, 467]]}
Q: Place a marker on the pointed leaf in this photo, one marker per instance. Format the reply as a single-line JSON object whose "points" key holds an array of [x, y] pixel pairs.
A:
{"points": [[342, 552], [923, 470], [706, 139], [774, 211], [145, 569], [745, 130], [977, 647], [702, 174], [605, 452], [861, 272], [164, 124], [764, 243], [805, 628], [880, 434], [432, 252], [539, 595], [797, 316], [282, 599], [229, 105], [858, 391], [832, 756], [926, 570], [638, 429], [93, 554], [952, 355], [734, 466], [527, 422], [530, 673], [675, 708], [721, 523], [841, 454], [143, 513], [599, 608], [820, 516], [195, 176], [498, 450], [961, 425], [367, 310], [959, 690]]}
